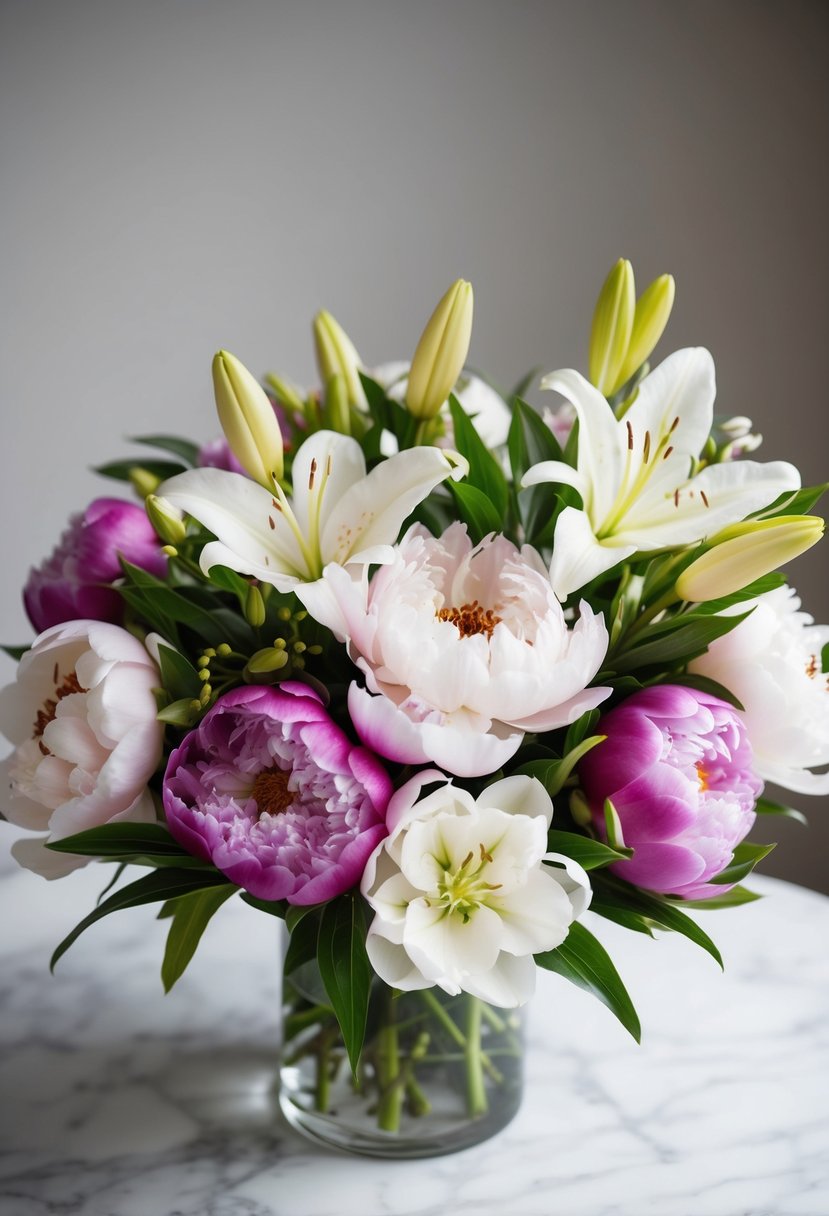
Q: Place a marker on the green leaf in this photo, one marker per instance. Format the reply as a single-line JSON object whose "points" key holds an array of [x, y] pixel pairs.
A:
{"points": [[302, 945], [621, 915], [15, 652], [183, 448], [119, 870], [178, 674], [190, 919], [274, 907], [731, 899], [765, 806], [659, 911], [120, 840], [746, 856], [675, 641], [581, 728], [476, 510], [229, 580], [689, 679], [152, 888], [769, 582], [530, 441], [120, 470], [589, 853], [345, 969], [582, 960], [484, 471], [799, 503]]}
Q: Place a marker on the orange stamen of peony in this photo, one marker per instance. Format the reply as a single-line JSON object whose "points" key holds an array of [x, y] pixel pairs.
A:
{"points": [[470, 619], [270, 791]]}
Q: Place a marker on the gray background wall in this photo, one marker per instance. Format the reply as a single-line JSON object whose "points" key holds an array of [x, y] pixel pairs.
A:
{"points": [[183, 175]]}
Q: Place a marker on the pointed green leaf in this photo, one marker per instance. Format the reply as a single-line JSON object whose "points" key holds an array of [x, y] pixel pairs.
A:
{"points": [[120, 840], [120, 470], [183, 448], [590, 854], [484, 471], [345, 969], [582, 960], [191, 915], [178, 674], [152, 888], [476, 510], [746, 856], [765, 806], [731, 899]]}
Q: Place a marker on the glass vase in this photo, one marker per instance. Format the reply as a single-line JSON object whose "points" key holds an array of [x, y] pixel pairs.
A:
{"points": [[437, 1073]]}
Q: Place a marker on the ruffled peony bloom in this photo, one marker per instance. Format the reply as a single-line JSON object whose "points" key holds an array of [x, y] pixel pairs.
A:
{"points": [[772, 663], [83, 718], [271, 791], [464, 648], [461, 893], [72, 582], [677, 766]]}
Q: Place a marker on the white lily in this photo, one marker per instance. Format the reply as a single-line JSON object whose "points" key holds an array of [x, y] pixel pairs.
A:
{"points": [[636, 474], [336, 513]]}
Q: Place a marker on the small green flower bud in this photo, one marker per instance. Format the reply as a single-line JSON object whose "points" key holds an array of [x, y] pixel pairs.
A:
{"points": [[143, 481], [266, 660], [167, 521], [285, 392], [745, 552], [336, 415], [337, 356], [653, 309], [254, 607], [224, 650]]}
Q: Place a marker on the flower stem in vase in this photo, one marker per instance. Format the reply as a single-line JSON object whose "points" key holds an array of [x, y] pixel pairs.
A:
{"points": [[476, 1099], [388, 1066]]}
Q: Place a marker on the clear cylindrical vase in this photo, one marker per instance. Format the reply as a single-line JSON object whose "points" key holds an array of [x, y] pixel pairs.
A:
{"points": [[437, 1073]]}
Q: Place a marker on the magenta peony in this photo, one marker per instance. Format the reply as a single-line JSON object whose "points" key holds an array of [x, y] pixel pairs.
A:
{"points": [[677, 765], [72, 583], [275, 795]]}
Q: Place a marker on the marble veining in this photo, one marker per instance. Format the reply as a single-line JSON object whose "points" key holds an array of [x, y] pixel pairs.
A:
{"points": [[118, 1101]]}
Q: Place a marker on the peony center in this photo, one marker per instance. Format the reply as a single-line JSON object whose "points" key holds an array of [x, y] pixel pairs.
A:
{"points": [[270, 791], [704, 777], [49, 709], [470, 619]]}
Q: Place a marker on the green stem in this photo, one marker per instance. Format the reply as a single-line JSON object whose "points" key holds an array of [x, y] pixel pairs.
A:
{"points": [[476, 1099], [428, 998], [322, 1089], [388, 1067]]}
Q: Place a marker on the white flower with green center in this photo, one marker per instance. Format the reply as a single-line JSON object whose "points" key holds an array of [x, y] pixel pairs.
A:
{"points": [[464, 890], [637, 475], [337, 512]]}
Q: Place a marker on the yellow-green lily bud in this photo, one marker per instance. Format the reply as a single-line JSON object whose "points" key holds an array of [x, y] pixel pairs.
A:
{"points": [[653, 308], [441, 352], [266, 660], [143, 481], [285, 392], [167, 521], [247, 419], [254, 607], [337, 356], [612, 327], [337, 414], [745, 552]]}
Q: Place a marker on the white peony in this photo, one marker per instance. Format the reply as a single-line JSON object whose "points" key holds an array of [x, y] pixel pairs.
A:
{"points": [[82, 716], [461, 892], [464, 648], [772, 663]]}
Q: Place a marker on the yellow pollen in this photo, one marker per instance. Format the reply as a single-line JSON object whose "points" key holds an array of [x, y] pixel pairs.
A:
{"points": [[47, 713], [270, 791], [811, 666], [703, 777], [470, 619]]}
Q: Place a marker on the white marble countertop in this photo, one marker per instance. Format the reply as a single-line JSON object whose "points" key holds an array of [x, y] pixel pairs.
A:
{"points": [[118, 1101]]}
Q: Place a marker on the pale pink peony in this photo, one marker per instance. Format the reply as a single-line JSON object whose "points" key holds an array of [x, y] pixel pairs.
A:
{"points": [[464, 648], [275, 795], [83, 718]]}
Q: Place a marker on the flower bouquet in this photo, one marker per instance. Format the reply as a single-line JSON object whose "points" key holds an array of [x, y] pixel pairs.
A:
{"points": [[344, 662]]}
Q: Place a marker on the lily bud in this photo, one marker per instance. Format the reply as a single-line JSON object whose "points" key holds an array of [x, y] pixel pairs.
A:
{"points": [[441, 352], [285, 392], [745, 552], [337, 415], [254, 607], [247, 419], [612, 327], [167, 520], [143, 481], [653, 308], [337, 356]]}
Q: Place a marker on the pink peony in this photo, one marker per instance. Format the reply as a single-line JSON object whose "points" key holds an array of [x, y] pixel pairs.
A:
{"points": [[82, 716], [274, 794], [72, 583], [677, 766]]}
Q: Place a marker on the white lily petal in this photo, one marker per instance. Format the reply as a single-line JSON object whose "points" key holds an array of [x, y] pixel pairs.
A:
{"points": [[511, 982], [215, 553], [391, 962], [535, 916], [682, 387], [372, 511], [242, 515], [326, 466], [556, 471], [577, 556], [518, 796], [598, 439]]}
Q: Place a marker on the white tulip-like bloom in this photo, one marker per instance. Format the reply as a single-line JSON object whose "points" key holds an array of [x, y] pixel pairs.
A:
{"points": [[772, 663], [464, 648], [82, 715], [637, 475], [462, 891]]}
